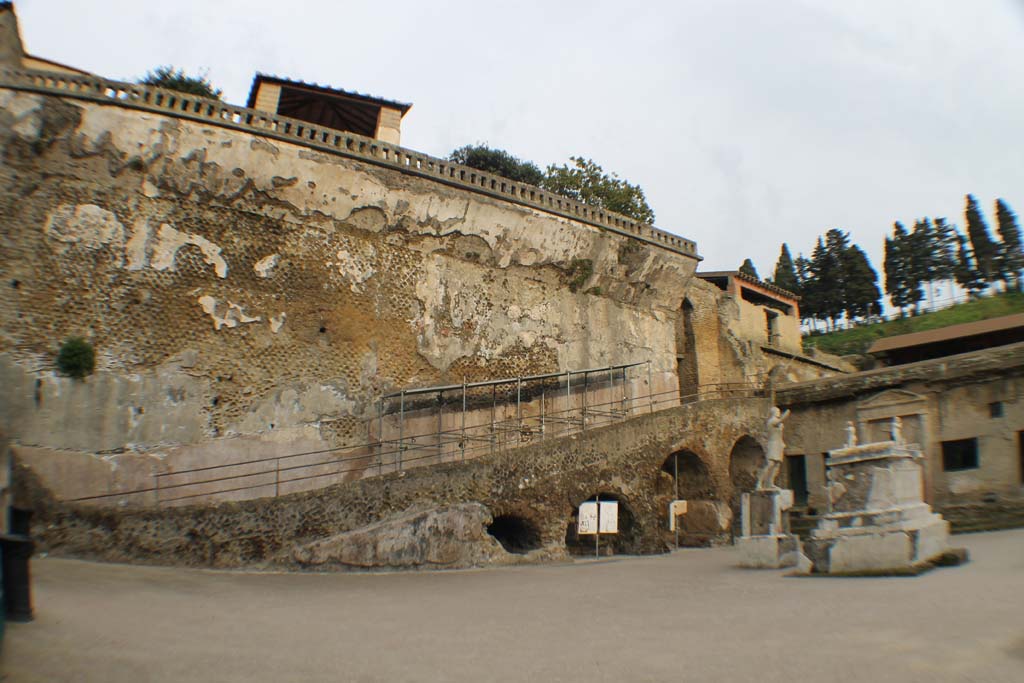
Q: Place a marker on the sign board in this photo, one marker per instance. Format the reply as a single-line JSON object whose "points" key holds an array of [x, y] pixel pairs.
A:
{"points": [[588, 518], [675, 509], [594, 516], [609, 517]]}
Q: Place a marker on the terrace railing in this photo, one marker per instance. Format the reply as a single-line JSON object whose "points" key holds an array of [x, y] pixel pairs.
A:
{"points": [[552, 409], [347, 144]]}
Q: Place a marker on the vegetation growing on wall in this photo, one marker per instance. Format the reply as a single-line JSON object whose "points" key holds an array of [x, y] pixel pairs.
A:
{"points": [[76, 358], [578, 272]]}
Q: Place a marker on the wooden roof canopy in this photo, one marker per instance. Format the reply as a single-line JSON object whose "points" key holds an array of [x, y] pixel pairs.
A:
{"points": [[330, 107]]}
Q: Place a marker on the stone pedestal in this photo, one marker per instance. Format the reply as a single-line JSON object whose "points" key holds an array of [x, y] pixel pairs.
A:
{"points": [[766, 542], [878, 522]]}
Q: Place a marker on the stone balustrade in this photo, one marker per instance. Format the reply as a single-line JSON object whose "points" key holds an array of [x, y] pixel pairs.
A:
{"points": [[351, 145]]}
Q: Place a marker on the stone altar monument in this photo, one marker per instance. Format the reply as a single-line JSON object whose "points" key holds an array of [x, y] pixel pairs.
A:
{"points": [[878, 522], [766, 541]]}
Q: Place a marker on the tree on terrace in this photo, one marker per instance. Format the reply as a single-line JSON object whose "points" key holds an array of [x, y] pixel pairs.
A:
{"points": [[900, 285], [176, 79], [965, 272], [587, 182], [498, 162], [860, 285]]}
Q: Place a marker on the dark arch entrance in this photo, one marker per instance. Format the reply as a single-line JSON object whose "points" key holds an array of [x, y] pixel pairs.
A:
{"points": [[745, 462], [626, 542], [693, 481], [686, 351], [516, 534]]}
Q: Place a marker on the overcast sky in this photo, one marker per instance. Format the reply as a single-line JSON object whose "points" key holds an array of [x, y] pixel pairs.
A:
{"points": [[748, 123]]}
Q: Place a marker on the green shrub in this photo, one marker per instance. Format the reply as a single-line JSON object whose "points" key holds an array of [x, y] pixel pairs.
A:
{"points": [[76, 358]]}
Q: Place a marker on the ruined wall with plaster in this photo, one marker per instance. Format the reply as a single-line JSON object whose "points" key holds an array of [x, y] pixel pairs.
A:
{"points": [[731, 349], [248, 296]]}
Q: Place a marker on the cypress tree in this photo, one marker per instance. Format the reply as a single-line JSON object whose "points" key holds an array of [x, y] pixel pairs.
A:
{"points": [[825, 269], [967, 276], [860, 284], [749, 269], [923, 262], [984, 250], [806, 288], [899, 278], [785, 272], [1011, 256]]}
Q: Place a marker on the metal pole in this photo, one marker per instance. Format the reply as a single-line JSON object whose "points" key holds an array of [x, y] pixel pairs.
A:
{"points": [[277, 477], [675, 522], [650, 387], [493, 401], [401, 428], [611, 395], [462, 443], [156, 487], [568, 400], [380, 436], [583, 412], [543, 400], [519, 409], [597, 531]]}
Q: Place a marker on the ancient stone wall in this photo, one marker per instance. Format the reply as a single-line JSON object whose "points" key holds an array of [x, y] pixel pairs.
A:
{"points": [[437, 516], [247, 295]]}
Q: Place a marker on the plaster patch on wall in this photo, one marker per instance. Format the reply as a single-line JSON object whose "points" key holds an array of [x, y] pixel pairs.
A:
{"points": [[265, 266], [354, 270], [86, 224], [135, 249], [277, 322], [225, 315], [169, 241], [26, 110]]}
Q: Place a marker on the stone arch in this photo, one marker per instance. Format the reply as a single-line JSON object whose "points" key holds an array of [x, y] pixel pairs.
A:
{"points": [[516, 534], [627, 542], [686, 351], [694, 479], [745, 460]]}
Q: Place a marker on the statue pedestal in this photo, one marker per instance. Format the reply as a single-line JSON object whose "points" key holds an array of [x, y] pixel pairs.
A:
{"points": [[879, 522], [766, 542]]}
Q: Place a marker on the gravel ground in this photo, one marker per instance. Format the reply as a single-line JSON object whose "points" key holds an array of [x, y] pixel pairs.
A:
{"points": [[688, 616]]}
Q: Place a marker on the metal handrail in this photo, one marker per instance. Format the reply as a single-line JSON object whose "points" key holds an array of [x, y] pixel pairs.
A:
{"points": [[390, 454]]}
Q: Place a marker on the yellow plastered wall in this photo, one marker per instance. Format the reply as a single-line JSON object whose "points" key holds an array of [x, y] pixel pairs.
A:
{"points": [[389, 125], [267, 97]]}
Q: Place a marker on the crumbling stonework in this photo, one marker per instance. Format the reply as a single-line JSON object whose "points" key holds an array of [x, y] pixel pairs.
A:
{"points": [[344, 525], [247, 293]]}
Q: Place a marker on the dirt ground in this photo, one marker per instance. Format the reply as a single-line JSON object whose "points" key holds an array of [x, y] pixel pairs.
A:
{"points": [[689, 616]]}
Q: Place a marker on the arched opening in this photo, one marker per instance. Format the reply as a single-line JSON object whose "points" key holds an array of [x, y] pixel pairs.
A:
{"points": [[745, 462], [686, 351], [515, 534], [690, 476], [625, 542]]}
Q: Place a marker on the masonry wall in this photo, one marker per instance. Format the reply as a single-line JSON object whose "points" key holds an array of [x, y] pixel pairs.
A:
{"points": [[252, 297]]}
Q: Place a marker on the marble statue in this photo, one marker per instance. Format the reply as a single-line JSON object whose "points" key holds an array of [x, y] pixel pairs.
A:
{"points": [[775, 449]]}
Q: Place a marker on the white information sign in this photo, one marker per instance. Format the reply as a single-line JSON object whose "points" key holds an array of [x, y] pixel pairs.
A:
{"points": [[592, 517], [609, 517], [588, 518]]}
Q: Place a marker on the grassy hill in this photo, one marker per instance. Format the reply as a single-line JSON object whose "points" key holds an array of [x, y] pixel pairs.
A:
{"points": [[858, 339]]}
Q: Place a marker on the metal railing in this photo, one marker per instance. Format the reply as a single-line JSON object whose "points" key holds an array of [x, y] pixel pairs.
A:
{"points": [[505, 426]]}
